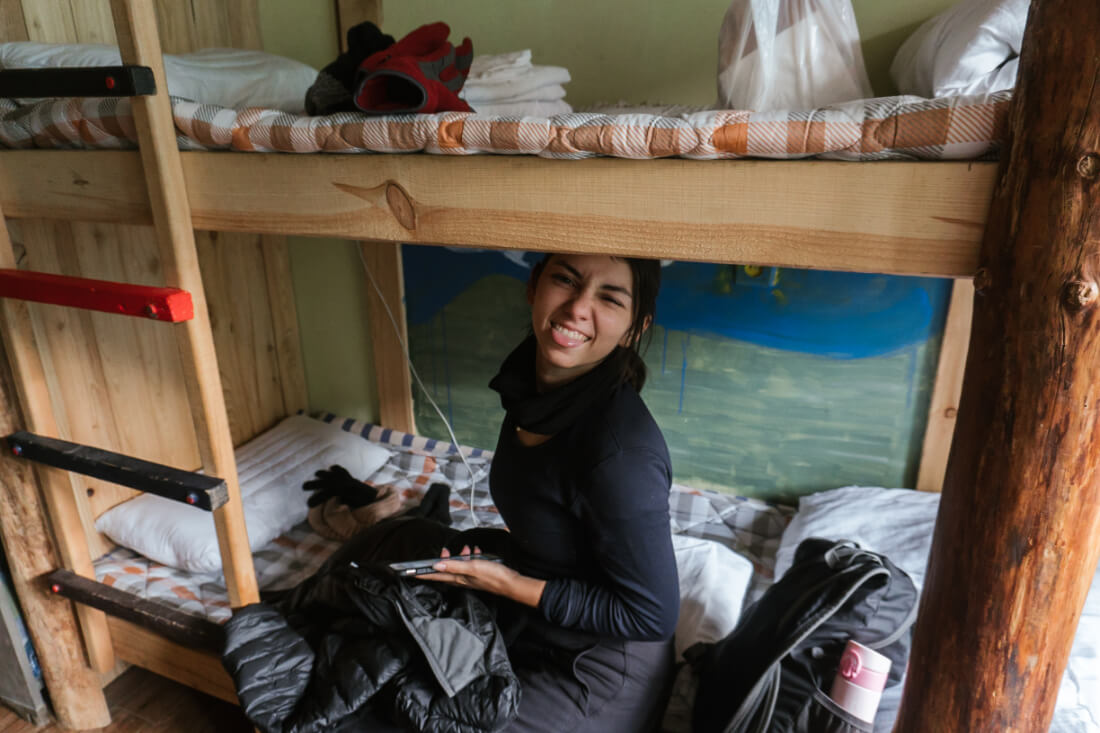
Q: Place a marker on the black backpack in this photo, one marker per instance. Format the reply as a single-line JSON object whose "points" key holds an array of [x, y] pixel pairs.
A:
{"points": [[772, 672]]}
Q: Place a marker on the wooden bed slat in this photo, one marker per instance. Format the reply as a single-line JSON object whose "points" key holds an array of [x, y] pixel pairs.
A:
{"points": [[161, 304], [182, 628], [197, 668], [889, 217], [198, 490]]}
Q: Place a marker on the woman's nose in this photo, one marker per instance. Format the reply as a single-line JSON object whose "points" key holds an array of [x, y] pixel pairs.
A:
{"points": [[580, 305]]}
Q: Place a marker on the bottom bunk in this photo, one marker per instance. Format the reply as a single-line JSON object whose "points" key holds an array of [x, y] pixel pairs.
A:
{"points": [[728, 549]]}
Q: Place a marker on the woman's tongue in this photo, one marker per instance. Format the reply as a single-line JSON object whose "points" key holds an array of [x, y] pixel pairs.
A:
{"points": [[566, 338]]}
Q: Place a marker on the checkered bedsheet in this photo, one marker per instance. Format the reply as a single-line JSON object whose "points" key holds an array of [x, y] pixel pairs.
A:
{"points": [[903, 127], [750, 527]]}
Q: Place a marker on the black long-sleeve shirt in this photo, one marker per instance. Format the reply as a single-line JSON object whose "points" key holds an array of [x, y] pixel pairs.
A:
{"points": [[588, 512]]}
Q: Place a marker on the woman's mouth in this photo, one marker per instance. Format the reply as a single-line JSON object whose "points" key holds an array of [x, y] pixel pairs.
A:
{"points": [[566, 336]]}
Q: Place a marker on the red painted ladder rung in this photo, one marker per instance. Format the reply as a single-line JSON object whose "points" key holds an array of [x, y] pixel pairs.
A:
{"points": [[162, 304]]}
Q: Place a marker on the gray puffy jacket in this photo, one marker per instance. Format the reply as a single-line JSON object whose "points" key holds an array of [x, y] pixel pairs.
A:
{"points": [[354, 642]]}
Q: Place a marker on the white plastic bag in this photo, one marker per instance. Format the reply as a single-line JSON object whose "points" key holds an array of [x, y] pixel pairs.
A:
{"points": [[970, 48], [790, 54]]}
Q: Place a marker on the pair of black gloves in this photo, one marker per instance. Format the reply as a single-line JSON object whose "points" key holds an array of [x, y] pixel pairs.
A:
{"points": [[335, 481]]}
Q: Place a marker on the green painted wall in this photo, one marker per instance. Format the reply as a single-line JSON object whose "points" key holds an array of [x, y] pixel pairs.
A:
{"points": [[753, 420], [631, 50]]}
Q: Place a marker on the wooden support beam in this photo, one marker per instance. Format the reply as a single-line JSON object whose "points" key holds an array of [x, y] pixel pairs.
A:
{"points": [[183, 628], [136, 28], [198, 490], [54, 627], [943, 409], [892, 217], [61, 503], [385, 299], [1018, 534], [161, 304]]}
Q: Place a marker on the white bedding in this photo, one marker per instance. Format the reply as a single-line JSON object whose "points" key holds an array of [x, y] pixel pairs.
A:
{"points": [[227, 77]]}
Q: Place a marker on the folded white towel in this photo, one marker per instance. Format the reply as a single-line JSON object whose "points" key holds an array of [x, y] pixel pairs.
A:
{"points": [[509, 89], [524, 109], [499, 64], [547, 93]]}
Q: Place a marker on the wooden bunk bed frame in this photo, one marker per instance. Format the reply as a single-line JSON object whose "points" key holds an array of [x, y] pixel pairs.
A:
{"points": [[1025, 468]]}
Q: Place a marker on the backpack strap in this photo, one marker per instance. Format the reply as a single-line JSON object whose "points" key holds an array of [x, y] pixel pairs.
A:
{"points": [[758, 707]]}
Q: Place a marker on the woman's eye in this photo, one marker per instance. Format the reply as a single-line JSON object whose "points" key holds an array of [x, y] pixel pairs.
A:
{"points": [[564, 280], [612, 301]]}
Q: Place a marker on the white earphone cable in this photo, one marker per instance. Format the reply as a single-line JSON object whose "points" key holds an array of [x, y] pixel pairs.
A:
{"points": [[423, 389]]}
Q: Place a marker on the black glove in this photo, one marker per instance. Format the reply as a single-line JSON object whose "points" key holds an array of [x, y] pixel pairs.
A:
{"points": [[333, 91], [336, 481], [436, 504]]}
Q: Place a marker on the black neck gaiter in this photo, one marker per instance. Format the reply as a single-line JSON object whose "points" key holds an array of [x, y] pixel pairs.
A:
{"points": [[550, 412]]}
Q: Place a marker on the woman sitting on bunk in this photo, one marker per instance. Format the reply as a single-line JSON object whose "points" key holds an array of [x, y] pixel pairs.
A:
{"points": [[581, 476]]}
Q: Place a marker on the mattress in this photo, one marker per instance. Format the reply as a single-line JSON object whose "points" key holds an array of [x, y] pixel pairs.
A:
{"points": [[761, 532], [750, 527], [887, 128]]}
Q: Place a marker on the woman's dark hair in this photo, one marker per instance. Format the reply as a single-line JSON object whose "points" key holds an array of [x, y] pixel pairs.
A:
{"points": [[646, 275]]}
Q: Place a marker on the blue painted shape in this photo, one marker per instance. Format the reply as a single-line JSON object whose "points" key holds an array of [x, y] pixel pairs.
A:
{"points": [[837, 314]]}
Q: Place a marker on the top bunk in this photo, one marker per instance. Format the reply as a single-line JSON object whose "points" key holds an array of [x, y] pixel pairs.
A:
{"points": [[685, 185]]}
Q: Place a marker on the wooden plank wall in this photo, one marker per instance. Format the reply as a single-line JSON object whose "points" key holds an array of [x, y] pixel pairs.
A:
{"points": [[116, 382]]}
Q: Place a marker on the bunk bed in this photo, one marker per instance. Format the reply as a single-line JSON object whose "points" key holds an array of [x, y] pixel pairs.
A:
{"points": [[68, 209]]}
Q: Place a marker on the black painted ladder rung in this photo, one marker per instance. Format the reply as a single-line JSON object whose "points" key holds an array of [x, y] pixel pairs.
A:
{"points": [[184, 628], [196, 489], [86, 81]]}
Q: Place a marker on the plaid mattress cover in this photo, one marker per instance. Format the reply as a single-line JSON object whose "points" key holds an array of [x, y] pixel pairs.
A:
{"points": [[900, 128], [750, 527]]}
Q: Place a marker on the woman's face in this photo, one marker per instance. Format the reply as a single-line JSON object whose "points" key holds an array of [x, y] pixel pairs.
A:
{"points": [[581, 309]]}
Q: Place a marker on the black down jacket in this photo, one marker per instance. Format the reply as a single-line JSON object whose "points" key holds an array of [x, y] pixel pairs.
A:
{"points": [[353, 643]]}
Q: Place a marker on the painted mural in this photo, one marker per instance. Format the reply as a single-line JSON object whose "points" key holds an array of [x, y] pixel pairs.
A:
{"points": [[766, 382]]}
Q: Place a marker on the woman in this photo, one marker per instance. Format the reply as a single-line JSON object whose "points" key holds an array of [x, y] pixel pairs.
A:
{"points": [[581, 477]]}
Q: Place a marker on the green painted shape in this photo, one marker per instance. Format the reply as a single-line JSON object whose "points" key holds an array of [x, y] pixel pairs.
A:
{"points": [[755, 421]]}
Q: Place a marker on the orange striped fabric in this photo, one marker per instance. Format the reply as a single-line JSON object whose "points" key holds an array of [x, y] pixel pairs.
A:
{"points": [[951, 128]]}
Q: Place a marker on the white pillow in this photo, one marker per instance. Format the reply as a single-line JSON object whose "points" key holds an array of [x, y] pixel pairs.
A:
{"points": [[226, 77], [272, 468], [897, 523], [972, 47], [713, 581]]}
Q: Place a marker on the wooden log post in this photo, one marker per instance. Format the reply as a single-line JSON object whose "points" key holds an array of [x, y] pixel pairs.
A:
{"points": [[1018, 533], [76, 694]]}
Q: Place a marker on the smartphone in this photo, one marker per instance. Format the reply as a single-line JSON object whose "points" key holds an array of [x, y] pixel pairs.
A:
{"points": [[423, 567]]}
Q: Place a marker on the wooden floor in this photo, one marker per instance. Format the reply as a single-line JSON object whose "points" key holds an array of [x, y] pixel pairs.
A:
{"points": [[142, 702]]}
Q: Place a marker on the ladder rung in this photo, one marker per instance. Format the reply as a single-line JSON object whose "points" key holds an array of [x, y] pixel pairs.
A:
{"points": [[86, 81], [196, 489], [189, 630], [159, 303]]}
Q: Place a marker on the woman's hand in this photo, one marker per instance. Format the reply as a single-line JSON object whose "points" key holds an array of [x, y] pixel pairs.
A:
{"points": [[492, 577]]}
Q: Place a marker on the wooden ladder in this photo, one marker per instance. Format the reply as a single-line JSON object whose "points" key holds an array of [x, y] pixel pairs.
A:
{"points": [[136, 27]]}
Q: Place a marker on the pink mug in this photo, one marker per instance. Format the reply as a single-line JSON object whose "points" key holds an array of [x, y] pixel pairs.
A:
{"points": [[860, 680]]}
